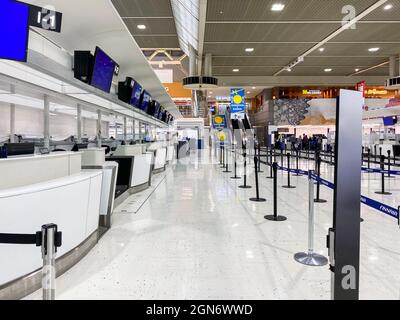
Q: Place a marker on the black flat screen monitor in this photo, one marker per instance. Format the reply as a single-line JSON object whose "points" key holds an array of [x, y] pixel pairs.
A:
{"points": [[157, 108], [145, 101], [19, 149], [136, 94], [14, 30], [389, 121], [103, 71]]}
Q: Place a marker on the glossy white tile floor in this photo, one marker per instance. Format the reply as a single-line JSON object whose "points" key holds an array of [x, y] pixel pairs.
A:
{"points": [[195, 235]]}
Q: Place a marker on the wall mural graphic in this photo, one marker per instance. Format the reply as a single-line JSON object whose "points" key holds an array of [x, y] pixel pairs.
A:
{"points": [[290, 111]]}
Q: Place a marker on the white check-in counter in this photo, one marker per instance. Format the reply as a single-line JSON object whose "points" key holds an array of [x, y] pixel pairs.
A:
{"points": [[134, 171], [170, 153], [42, 189], [160, 156]]}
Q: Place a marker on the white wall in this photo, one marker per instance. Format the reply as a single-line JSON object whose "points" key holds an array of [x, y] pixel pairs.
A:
{"points": [[29, 121]]}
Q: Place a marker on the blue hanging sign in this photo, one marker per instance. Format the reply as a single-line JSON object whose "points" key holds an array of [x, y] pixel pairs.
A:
{"points": [[238, 103]]}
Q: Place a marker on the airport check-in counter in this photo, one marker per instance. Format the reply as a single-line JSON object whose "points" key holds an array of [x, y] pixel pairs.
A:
{"points": [[160, 151], [134, 171], [95, 159], [37, 190]]}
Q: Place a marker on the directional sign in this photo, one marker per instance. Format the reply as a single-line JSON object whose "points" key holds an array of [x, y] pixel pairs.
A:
{"points": [[238, 103], [219, 122]]}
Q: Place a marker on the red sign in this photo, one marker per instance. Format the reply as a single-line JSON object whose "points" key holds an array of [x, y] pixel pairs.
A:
{"points": [[361, 87]]}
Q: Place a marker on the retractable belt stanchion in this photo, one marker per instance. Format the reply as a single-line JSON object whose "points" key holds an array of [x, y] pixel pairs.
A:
{"points": [[271, 161], [223, 156], [259, 159], [245, 186], [275, 217], [311, 258], [227, 161], [375, 153], [331, 155], [383, 192], [318, 199], [369, 158], [49, 238], [362, 157], [235, 165], [282, 164], [257, 198], [389, 166], [289, 186], [220, 154], [297, 163]]}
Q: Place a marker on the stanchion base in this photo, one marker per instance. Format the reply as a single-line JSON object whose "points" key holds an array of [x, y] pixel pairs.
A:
{"points": [[383, 193], [270, 177], [245, 187], [226, 171], [311, 259], [258, 199], [236, 178], [260, 171], [276, 219], [320, 201], [362, 220], [289, 187]]}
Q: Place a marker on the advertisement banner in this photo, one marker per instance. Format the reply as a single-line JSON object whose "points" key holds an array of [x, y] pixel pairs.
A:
{"points": [[219, 122], [238, 103]]}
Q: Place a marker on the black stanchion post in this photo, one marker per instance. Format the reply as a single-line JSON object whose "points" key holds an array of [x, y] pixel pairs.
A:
{"points": [[257, 198], [245, 186], [220, 154], [275, 217], [369, 158], [331, 155], [362, 157], [259, 159], [318, 199], [282, 164], [375, 154], [223, 156], [289, 186], [271, 161], [383, 192], [389, 165], [297, 163], [235, 165], [227, 161]]}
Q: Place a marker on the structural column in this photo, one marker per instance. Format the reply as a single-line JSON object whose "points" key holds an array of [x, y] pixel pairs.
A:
{"points": [[99, 128], [46, 122], [393, 67], [133, 129], [79, 123], [12, 117]]}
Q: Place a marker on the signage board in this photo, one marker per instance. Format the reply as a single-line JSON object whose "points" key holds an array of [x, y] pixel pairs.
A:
{"points": [[219, 122], [238, 103], [361, 86], [45, 18]]}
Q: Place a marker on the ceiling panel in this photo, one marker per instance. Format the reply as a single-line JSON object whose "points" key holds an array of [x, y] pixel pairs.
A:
{"points": [[344, 61], [157, 42], [386, 15], [259, 49], [253, 10], [245, 71], [358, 49], [143, 8], [371, 32], [268, 32], [336, 71], [252, 61], [154, 26]]}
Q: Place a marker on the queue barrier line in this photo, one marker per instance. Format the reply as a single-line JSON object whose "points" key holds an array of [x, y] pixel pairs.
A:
{"points": [[381, 207]]}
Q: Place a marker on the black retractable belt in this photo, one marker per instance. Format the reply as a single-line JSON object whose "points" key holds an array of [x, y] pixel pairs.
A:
{"points": [[36, 239]]}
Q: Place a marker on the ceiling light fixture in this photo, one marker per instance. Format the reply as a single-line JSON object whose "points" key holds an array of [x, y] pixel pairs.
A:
{"points": [[328, 70], [277, 7], [249, 49], [356, 70], [321, 49], [388, 7], [235, 70], [373, 49], [254, 88], [141, 27]]}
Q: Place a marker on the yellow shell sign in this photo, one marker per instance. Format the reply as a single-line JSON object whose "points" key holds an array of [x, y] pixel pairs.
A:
{"points": [[221, 136]]}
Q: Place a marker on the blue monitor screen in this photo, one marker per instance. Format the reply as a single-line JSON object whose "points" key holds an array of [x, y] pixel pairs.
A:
{"points": [[389, 121], [14, 30], [157, 109], [103, 71], [145, 101], [136, 93]]}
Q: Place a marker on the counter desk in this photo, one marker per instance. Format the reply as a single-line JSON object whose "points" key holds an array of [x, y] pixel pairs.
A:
{"points": [[39, 190]]}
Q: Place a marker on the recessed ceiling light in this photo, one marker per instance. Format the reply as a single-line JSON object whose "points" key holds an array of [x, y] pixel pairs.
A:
{"points": [[356, 70], [248, 92], [249, 49], [373, 49], [211, 92], [289, 69], [388, 7], [235, 70], [321, 49], [254, 88], [328, 70], [221, 12], [141, 27], [277, 7]]}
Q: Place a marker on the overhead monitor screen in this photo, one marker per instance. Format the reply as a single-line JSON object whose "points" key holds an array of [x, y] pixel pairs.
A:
{"points": [[136, 93], [14, 30], [145, 101], [103, 71], [157, 109], [389, 121]]}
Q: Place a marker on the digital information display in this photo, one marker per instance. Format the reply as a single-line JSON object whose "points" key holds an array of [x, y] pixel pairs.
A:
{"points": [[103, 71], [14, 30]]}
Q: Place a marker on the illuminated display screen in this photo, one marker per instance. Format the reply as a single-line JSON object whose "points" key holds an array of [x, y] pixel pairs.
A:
{"points": [[103, 71], [136, 93]]}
